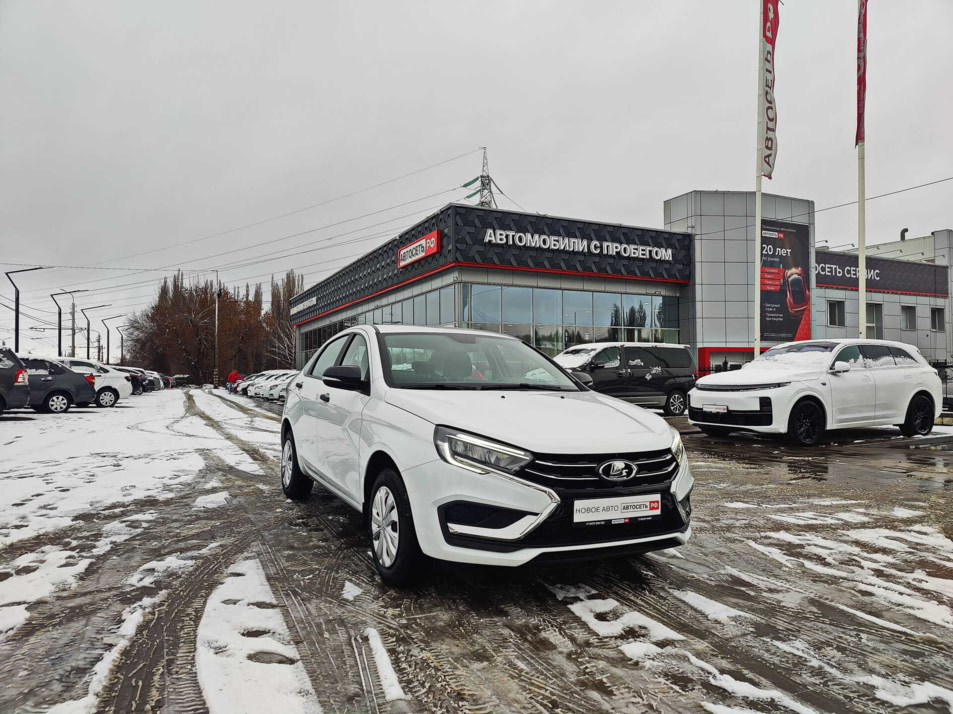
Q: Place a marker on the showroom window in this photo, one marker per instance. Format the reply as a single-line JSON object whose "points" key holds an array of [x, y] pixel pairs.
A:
{"points": [[875, 321], [937, 320], [484, 304], [908, 317], [835, 313], [518, 305]]}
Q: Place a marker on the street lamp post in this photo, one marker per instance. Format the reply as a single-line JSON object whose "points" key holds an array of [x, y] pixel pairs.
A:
{"points": [[122, 349], [83, 310], [114, 317], [16, 305], [59, 320]]}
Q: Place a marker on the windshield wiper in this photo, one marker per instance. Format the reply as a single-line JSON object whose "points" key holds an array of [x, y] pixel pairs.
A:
{"points": [[439, 385], [527, 386]]}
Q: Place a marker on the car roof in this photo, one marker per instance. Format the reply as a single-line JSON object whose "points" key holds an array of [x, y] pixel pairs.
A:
{"points": [[851, 341], [628, 344]]}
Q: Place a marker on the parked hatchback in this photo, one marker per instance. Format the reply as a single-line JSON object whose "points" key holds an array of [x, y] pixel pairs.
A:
{"points": [[14, 381], [55, 388], [473, 447], [804, 388], [650, 375]]}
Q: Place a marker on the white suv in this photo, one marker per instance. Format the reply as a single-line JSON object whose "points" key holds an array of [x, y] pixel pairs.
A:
{"points": [[111, 384], [804, 388], [473, 447]]}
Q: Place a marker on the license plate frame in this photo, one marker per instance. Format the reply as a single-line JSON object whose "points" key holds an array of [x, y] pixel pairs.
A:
{"points": [[715, 408], [620, 509]]}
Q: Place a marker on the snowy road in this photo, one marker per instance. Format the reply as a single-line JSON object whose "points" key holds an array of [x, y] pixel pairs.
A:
{"points": [[149, 563]]}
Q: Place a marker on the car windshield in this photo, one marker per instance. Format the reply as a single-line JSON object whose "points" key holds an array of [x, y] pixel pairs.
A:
{"points": [[588, 350], [807, 354], [467, 361]]}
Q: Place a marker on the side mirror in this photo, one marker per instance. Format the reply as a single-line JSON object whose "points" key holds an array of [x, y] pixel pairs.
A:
{"points": [[840, 367], [583, 378], [592, 366], [344, 377]]}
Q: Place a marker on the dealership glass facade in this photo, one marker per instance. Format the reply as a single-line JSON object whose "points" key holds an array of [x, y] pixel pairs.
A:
{"points": [[552, 320]]}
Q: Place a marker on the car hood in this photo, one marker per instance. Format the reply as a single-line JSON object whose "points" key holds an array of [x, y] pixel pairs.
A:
{"points": [[762, 372], [571, 361], [543, 422]]}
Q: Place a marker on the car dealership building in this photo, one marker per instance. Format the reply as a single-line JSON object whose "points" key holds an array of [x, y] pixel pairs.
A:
{"points": [[557, 282]]}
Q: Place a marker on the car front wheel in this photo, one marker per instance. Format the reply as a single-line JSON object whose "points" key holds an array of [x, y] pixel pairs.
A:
{"points": [[107, 398], [919, 421], [675, 403], [806, 424], [294, 483], [394, 545]]}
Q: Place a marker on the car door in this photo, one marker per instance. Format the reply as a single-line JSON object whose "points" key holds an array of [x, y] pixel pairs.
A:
{"points": [[339, 420], [303, 403], [853, 393], [40, 378], [892, 391], [607, 372], [639, 366]]}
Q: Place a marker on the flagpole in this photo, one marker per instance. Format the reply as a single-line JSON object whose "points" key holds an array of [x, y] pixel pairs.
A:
{"points": [[861, 242], [861, 169], [759, 156]]}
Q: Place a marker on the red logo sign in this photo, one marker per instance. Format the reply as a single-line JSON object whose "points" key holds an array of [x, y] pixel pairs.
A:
{"points": [[655, 505], [419, 249]]}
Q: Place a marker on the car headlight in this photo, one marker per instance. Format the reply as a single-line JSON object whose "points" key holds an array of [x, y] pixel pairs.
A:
{"points": [[678, 449], [477, 454]]}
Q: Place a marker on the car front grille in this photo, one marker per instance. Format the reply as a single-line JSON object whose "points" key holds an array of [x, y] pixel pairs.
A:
{"points": [[580, 471]]}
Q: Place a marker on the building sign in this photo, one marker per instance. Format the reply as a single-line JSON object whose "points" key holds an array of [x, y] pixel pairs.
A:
{"points": [[303, 305], [575, 245], [419, 249], [785, 282], [839, 270]]}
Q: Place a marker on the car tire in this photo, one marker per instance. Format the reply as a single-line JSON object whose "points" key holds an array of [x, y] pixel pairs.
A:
{"points": [[806, 423], [715, 430], [919, 421], [56, 403], [106, 398], [137, 391], [394, 546], [675, 403], [294, 483]]}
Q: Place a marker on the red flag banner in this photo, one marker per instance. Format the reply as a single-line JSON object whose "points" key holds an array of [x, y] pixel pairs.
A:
{"points": [[861, 68], [767, 114]]}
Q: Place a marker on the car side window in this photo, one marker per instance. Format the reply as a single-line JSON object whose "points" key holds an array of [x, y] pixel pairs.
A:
{"points": [[903, 358], [356, 356], [850, 355], [329, 356], [36, 366], [609, 358], [877, 356], [56, 368]]}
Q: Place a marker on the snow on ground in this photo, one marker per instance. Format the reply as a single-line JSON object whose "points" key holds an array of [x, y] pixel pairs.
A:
{"points": [[58, 466], [131, 618], [385, 670], [245, 658], [213, 500], [39, 574], [261, 431], [226, 451]]}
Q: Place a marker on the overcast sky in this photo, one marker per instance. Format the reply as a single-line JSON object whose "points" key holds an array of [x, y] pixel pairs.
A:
{"points": [[132, 131]]}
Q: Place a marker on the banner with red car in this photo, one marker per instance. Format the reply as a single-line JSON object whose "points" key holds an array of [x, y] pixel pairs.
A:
{"points": [[785, 281]]}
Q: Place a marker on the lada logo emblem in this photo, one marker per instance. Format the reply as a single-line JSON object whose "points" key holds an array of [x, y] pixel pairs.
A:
{"points": [[617, 470]]}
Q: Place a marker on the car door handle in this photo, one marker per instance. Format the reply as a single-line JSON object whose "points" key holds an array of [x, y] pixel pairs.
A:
{"points": [[46, 379], [325, 397], [299, 385]]}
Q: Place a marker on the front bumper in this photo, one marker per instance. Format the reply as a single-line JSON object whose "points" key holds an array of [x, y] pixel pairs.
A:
{"points": [[753, 410], [490, 519]]}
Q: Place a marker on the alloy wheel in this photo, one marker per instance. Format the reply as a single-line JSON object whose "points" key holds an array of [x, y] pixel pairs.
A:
{"points": [[808, 424], [676, 403], [287, 462], [58, 403], [385, 526], [922, 415]]}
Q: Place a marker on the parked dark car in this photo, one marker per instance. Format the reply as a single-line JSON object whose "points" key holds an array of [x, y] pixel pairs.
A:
{"points": [[14, 382], [647, 374], [137, 379], [55, 388]]}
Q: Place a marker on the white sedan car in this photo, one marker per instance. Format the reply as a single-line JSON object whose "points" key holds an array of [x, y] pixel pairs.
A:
{"points": [[804, 388], [470, 446]]}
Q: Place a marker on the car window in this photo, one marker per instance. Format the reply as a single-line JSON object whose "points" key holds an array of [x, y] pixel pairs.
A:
{"points": [[640, 358], [877, 356], [356, 356], [850, 355], [36, 366], [56, 368], [609, 357], [673, 357], [328, 357], [903, 358], [6, 362]]}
